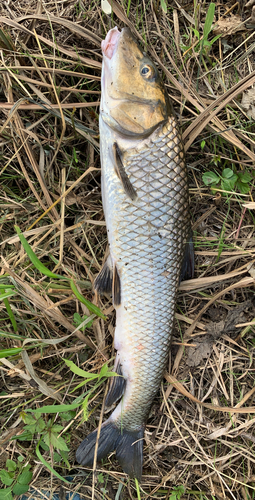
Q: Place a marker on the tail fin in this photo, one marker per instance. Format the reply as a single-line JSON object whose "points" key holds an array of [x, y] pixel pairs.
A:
{"points": [[128, 446]]}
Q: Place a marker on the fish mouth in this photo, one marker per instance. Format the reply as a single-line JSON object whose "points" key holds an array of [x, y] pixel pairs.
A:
{"points": [[110, 43]]}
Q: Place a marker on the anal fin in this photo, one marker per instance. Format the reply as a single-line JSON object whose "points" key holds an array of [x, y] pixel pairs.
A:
{"points": [[116, 287], [117, 387], [122, 174], [103, 281]]}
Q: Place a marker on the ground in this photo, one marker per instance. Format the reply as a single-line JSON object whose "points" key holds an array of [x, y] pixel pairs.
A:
{"points": [[199, 441]]}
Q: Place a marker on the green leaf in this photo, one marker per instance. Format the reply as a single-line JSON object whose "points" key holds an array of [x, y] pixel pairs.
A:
{"points": [[229, 184], [75, 155], [79, 371], [11, 335], [56, 428], [38, 426], [196, 33], [19, 489], [185, 47], [243, 188], [11, 465], [215, 39], [91, 307], [81, 384], [34, 259], [216, 159], [57, 457], [209, 20], [56, 408], [48, 465], [104, 371], [34, 425], [78, 320], [4, 353], [7, 294], [44, 446], [28, 419], [25, 436], [202, 144], [56, 441], [245, 177], [6, 494], [67, 416], [25, 476], [210, 178], [163, 6], [177, 492], [227, 173], [9, 311], [64, 456], [85, 407], [5, 477]]}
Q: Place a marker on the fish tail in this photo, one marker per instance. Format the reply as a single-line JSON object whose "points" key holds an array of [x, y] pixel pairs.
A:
{"points": [[128, 446]]}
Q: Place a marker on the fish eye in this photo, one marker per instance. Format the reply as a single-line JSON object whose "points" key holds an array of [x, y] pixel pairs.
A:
{"points": [[147, 71]]}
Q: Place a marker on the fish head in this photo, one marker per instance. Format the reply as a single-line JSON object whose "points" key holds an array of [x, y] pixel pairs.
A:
{"points": [[134, 101]]}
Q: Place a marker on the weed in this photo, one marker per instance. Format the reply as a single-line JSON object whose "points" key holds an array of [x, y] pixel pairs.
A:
{"points": [[229, 180], [16, 477], [203, 45], [79, 321], [177, 492], [46, 272], [163, 4], [46, 432]]}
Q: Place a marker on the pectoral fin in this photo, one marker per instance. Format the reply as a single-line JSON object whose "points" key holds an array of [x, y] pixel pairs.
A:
{"points": [[121, 173]]}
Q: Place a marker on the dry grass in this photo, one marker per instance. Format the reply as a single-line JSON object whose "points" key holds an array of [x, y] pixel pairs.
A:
{"points": [[200, 431]]}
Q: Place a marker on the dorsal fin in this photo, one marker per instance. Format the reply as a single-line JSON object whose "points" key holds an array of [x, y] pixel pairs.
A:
{"points": [[122, 174]]}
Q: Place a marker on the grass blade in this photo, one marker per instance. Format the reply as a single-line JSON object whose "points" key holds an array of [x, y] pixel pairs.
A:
{"points": [[34, 259], [9, 311], [209, 20], [4, 353], [91, 307], [55, 473], [79, 371]]}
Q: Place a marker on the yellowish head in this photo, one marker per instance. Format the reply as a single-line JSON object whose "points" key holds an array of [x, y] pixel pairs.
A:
{"points": [[134, 100]]}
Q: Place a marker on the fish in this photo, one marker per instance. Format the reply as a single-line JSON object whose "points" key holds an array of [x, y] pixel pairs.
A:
{"points": [[146, 207]]}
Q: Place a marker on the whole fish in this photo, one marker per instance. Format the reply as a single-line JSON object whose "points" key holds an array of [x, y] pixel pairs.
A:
{"points": [[145, 200]]}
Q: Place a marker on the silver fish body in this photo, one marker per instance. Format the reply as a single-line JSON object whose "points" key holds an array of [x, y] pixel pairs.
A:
{"points": [[147, 239], [148, 233]]}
